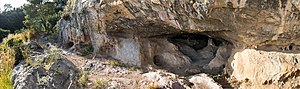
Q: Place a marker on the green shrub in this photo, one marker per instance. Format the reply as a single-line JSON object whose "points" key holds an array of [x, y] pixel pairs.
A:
{"points": [[83, 78], [54, 54], [114, 63], [11, 48], [217, 76], [132, 68], [101, 84], [88, 49]]}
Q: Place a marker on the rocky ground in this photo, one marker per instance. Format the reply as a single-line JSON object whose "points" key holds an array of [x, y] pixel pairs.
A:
{"points": [[55, 68]]}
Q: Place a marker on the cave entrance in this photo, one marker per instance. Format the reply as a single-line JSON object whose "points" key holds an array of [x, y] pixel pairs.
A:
{"points": [[206, 54], [196, 46]]}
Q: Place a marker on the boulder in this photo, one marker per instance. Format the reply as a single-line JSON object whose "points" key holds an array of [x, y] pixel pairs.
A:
{"points": [[61, 75], [171, 81]]}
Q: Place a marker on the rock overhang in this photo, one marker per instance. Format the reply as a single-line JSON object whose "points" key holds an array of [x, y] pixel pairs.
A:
{"points": [[145, 26]]}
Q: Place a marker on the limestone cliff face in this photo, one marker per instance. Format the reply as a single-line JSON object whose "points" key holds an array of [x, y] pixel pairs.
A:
{"points": [[193, 35]]}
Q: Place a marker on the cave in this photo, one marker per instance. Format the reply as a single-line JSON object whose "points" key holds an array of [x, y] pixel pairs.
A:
{"points": [[193, 46], [70, 44], [206, 54]]}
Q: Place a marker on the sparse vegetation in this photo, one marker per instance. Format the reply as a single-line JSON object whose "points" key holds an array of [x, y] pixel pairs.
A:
{"points": [[83, 78], [217, 75], [114, 63], [53, 55], [132, 68], [47, 66], [12, 49], [43, 80], [87, 50], [153, 86], [57, 71], [101, 84]]}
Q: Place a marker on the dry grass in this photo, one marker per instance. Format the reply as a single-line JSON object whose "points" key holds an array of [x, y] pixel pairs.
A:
{"points": [[132, 68], [8, 54], [153, 86]]}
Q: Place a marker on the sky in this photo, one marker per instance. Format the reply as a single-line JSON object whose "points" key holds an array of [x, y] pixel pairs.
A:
{"points": [[14, 3]]}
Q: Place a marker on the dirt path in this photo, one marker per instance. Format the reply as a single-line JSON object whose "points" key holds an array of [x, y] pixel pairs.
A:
{"points": [[100, 69]]}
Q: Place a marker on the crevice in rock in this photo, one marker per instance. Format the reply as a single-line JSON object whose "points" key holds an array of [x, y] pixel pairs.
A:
{"points": [[290, 48], [286, 77]]}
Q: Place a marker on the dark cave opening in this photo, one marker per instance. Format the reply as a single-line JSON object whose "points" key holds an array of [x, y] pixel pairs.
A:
{"points": [[70, 44], [196, 41], [197, 46], [205, 54], [157, 60]]}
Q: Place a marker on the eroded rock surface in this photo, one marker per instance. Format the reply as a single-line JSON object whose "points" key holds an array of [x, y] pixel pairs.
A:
{"points": [[61, 75], [260, 69], [202, 81], [172, 81], [189, 36], [45, 70]]}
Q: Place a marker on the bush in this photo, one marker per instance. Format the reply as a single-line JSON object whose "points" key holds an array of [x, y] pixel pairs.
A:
{"points": [[13, 47], [113, 63], [101, 84], [83, 78], [87, 50], [132, 68], [53, 55]]}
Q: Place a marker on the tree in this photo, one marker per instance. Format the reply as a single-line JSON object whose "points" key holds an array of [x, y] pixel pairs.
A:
{"points": [[7, 7], [3, 33], [12, 19], [42, 15]]}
